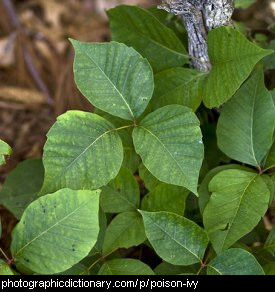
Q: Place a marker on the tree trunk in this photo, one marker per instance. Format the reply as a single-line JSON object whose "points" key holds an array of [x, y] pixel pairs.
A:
{"points": [[200, 16]]}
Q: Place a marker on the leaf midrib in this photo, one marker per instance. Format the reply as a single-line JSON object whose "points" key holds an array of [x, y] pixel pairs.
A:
{"points": [[113, 85], [174, 239], [83, 152], [237, 210], [181, 170], [51, 227]]}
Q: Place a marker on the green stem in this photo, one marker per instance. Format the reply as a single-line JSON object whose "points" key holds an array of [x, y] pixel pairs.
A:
{"points": [[268, 168], [5, 256], [100, 259]]}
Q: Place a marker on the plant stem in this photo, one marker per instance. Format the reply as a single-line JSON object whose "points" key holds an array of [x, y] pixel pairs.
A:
{"points": [[100, 259], [268, 168], [5, 256]]}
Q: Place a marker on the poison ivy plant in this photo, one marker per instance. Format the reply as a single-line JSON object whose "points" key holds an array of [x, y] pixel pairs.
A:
{"points": [[239, 199], [168, 233], [59, 236], [233, 58], [234, 261], [125, 267], [172, 172], [165, 198], [22, 186], [5, 149], [5, 269], [77, 139], [144, 32], [125, 230], [172, 135], [247, 122]]}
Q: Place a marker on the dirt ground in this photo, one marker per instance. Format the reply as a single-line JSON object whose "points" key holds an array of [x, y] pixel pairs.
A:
{"points": [[36, 81]]}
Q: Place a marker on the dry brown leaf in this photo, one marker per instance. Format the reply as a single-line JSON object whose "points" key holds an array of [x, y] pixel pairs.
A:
{"points": [[21, 95], [7, 46]]}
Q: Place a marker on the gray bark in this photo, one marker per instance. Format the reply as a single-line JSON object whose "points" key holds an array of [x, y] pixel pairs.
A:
{"points": [[200, 16]]}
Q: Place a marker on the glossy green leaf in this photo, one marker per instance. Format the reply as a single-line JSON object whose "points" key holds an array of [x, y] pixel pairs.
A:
{"points": [[169, 142], [22, 186], [204, 194], [5, 149], [246, 125], [165, 198], [234, 261], [113, 77], [121, 194], [56, 231], [125, 267], [239, 199], [139, 29], [177, 240], [5, 269], [270, 242], [125, 230], [83, 151], [232, 58], [178, 86]]}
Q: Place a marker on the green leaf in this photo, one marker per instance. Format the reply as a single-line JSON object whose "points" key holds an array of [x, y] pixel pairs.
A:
{"points": [[234, 261], [97, 249], [139, 29], [169, 142], [122, 194], [243, 3], [178, 86], [56, 231], [5, 269], [125, 267], [204, 194], [149, 180], [83, 151], [269, 61], [165, 198], [270, 159], [175, 239], [246, 125], [168, 269], [239, 199], [269, 268], [5, 149], [77, 269], [125, 230], [270, 183], [270, 242], [232, 58], [131, 160], [22, 186], [113, 77]]}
